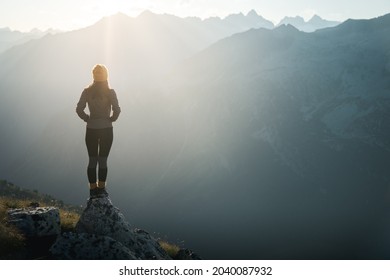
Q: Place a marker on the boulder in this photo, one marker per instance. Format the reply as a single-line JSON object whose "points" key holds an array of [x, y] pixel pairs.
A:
{"points": [[147, 248], [102, 218], [36, 221], [84, 246]]}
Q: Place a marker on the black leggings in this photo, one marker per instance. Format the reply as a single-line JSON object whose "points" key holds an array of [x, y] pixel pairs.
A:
{"points": [[99, 143]]}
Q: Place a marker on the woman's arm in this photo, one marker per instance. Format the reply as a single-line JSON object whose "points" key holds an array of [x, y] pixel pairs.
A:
{"points": [[81, 106], [116, 110]]}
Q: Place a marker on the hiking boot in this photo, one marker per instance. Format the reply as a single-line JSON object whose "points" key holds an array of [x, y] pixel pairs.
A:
{"points": [[93, 193], [102, 192], [98, 193]]}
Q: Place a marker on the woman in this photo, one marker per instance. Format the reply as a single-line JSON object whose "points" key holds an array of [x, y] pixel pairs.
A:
{"points": [[99, 135]]}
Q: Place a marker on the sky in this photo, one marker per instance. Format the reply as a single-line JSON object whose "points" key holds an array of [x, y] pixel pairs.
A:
{"points": [[25, 15]]}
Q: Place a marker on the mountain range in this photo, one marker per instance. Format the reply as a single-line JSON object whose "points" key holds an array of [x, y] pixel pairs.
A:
{"points": [[213, 28], [10, 38], [263, 144], [311, 25]]}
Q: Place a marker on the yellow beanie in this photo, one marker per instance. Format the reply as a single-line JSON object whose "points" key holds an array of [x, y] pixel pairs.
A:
{"points": [[100, 73]]}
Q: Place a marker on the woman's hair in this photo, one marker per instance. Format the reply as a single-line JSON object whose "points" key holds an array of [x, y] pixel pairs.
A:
{"points": [[100, 73], [100, 85]]}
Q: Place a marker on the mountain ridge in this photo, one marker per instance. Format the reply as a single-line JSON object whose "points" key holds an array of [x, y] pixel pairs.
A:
{"points": [[239, 22], [328, 90], [313, 24], [10, 38]]}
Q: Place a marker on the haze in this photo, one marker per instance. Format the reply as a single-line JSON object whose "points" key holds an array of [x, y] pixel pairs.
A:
{"points": [[25, 15], [242, 139]]}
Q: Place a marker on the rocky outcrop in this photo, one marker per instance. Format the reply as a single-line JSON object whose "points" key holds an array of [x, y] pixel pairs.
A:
{"points": [[146, 247], [100, 217], [84, 246], [102, 232], [36, 221], [102, 228]]}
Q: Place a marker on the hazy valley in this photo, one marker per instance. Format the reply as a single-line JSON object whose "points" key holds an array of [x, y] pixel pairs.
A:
{"points": [[243, 142]]}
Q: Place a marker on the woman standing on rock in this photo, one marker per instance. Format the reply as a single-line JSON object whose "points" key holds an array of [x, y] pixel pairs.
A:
{"points": [[99, 135]]}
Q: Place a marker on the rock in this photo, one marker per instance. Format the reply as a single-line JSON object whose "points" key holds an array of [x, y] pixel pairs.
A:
{"points": [[147, 248], [186, 254], [84, 246], [36, 222], [101, 218], [102, 232]]}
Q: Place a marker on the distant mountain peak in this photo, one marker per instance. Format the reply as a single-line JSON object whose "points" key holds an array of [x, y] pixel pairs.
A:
{"points": [[315, 23], [287, 28], [317, 20], [35, 30], [295, 20], [116, 19], [146, 14], [316, 17], [5, 29], [252, 13], [239, 15], [120, 14]]}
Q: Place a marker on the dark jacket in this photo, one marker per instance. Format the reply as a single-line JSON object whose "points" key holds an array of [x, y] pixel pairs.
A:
{"points": [[100, 103]]}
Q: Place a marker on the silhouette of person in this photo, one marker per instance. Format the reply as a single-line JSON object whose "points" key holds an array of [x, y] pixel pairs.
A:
{"points": [[101, 100]]}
